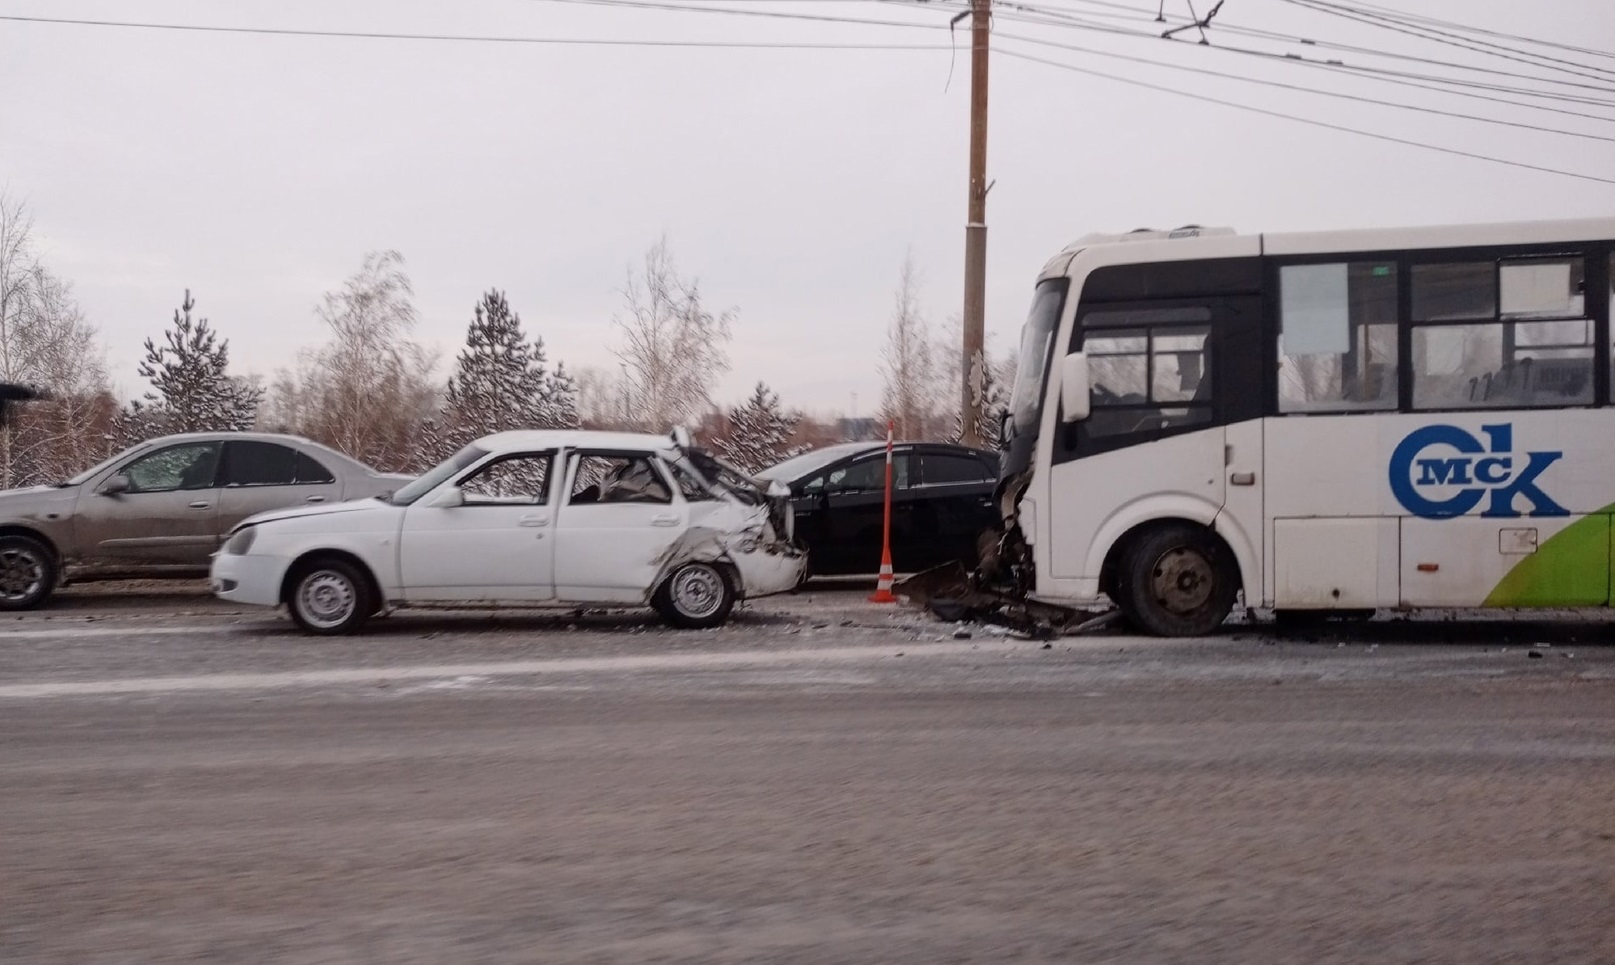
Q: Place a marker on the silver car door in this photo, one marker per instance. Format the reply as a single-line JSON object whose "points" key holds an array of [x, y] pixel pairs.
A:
{"points": [[257, 476], [168, 514]]}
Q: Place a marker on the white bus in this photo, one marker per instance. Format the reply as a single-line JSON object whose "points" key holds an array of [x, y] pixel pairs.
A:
{"points": [[1326, 422]]}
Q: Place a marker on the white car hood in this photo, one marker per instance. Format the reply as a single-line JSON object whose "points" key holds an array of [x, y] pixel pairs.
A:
{"points": [[304, 512]]}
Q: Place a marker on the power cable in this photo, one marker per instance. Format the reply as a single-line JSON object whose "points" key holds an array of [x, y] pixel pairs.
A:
{"points": [[469, 38], [1303, 89], [1303, 120], [1442, 84], [1518, 38], [774, 14], [1443, 37], [1062, 19]]}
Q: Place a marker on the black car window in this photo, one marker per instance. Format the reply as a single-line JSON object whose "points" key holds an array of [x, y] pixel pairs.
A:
{"points": [[258, 464], [187, 466], [311, 471], [862, 475], [941, 468]]}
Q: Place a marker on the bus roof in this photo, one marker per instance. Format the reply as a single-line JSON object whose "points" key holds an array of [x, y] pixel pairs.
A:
{"points": [[1193, 241]]}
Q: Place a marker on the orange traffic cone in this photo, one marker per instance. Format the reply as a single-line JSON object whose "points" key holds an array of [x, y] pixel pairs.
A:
{"points": [[883, 589]]}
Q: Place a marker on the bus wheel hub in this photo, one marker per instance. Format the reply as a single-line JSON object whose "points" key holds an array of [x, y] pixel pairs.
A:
{"points": [[1183, 580]]}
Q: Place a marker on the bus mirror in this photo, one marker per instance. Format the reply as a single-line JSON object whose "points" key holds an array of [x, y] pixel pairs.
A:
{"points": [[1074, 401]]}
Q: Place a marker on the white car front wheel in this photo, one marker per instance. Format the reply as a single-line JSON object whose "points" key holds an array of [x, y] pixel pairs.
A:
{"points": [[329, 596]]}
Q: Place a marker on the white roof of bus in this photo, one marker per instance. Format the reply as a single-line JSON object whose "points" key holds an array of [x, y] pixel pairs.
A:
{"points": [[1194, 242]]}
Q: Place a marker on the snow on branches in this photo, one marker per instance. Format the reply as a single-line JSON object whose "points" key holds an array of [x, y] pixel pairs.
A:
{"points": [[501, 381], [192, 388], [759, 432]]}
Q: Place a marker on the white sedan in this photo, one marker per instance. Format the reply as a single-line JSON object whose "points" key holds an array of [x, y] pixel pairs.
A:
{"points": [[528, 518]]}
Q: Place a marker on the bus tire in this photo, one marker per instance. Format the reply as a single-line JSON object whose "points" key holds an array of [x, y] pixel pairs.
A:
{"points": [[1177, 581]]}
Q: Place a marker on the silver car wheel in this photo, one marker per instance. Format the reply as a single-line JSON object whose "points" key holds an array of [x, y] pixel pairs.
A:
{"points": [[22, 573], [698, 591], [326, 598]]}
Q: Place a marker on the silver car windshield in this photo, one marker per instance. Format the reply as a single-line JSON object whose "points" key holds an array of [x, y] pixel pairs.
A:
{"points": [[436, 475]]}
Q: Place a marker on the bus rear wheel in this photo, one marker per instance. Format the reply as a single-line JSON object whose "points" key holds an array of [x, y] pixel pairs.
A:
{"points": [[1177, 581]]}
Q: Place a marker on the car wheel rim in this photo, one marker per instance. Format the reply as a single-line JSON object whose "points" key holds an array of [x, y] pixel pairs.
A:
{"points": [[325, 599], [1183, 580], [21, 575], [698, 591]]}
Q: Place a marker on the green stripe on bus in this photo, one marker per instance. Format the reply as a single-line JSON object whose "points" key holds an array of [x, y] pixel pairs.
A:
{"points": [[1570, 569]]}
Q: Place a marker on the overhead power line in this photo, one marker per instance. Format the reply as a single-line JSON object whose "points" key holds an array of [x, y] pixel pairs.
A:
{"points": [[1224, 26], [1466, 28], [1059, 18], [1018, 55], [1436, 82], [743, 12], [481, 39], [1304, 89], [1444, 37]]}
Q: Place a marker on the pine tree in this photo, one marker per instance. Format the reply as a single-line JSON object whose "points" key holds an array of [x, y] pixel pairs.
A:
{"points": [[561, 398], [759, 432], [994, 403], [193, 391], [501, 381], [432, 446]]}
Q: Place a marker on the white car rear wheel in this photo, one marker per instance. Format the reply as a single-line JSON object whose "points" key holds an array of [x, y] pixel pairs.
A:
{"points": [[329, 596], [696, 596]]}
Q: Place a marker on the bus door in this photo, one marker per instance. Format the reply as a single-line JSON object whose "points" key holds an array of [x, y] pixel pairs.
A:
{"points": [[1169, 378]]}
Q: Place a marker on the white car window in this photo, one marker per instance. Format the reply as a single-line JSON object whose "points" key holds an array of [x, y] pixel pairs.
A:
{"points": [[521, 480], [614, 478]]}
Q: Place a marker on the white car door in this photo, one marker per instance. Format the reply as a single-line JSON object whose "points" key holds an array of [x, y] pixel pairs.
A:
{"points": [[620, 519], [494, 541]]}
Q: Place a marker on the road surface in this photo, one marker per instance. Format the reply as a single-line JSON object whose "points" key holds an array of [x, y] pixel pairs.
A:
{"points": [[822, 781]]}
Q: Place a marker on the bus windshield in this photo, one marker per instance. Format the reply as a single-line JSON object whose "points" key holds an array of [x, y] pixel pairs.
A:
{"points": [[1037, 340]]}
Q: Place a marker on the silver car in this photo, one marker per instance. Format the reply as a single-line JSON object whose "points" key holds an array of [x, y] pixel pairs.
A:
{"points": [[160, 508]]}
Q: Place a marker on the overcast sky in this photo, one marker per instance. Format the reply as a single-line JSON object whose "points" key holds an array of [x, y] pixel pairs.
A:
{"points": [[257, 170]]}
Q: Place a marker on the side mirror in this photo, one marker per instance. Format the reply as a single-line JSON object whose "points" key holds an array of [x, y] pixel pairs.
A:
{"points": [[778, 490], [115, 486], [1074, 399], [450, 498], [680, 437]]}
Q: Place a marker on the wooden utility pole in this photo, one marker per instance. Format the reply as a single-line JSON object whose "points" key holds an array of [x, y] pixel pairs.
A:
{"points": [[974, 368]]}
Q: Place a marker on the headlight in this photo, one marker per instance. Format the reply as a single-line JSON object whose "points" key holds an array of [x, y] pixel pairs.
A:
{"points": [[241, 541]]}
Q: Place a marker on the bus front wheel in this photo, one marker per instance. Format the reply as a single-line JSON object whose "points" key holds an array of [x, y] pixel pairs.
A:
{"points": [[1178, 581]]}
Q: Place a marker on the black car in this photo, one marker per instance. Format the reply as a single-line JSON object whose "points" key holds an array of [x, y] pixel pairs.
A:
{"points": [[942, 499]]}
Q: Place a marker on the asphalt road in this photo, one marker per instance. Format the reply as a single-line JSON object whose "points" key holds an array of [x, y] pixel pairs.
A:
{"points": [[822, 781]]}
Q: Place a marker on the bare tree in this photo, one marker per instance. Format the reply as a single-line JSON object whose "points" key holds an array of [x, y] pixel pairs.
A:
{"points": [[369, 389], [66, 431], [45, 342], [916, 374], [602, 398], [286, 405], [674, 350]]}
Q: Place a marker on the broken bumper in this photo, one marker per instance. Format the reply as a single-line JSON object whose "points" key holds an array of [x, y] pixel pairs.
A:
{"points": [[776, 569]]}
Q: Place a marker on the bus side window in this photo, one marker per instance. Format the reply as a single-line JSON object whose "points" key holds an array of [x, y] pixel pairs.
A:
{"points": [[1337, 342], [1147, 379], [1502, 333]]}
